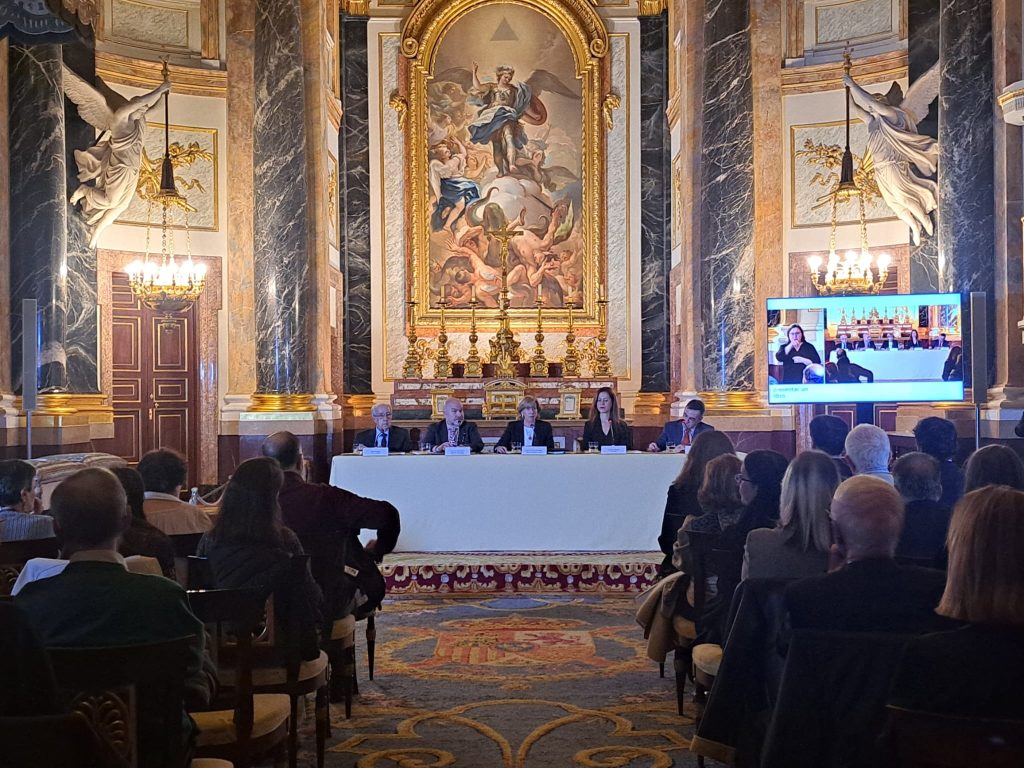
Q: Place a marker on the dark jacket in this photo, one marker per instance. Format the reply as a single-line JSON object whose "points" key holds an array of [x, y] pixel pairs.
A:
{"points": [[925, 523], [672, 432], [514, 434], [437, 434], [621, 434], [398, 439], [952, 479]]}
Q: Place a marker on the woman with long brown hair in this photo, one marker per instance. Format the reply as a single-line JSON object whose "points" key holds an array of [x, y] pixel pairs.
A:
{"points": [[604, 426]]}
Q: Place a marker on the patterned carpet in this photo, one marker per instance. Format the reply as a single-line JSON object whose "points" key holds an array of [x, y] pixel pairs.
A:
{"points": [[518, 681]]}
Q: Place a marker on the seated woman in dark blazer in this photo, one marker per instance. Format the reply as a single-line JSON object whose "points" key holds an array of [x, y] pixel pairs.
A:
{"points": [[604, 426], [977, 670], [528, 430]]}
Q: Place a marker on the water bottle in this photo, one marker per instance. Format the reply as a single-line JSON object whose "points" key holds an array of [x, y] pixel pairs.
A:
{"points": [[194, 498]]}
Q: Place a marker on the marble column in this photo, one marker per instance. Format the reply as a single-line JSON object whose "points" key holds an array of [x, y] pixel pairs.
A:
{"points": [[5, 224], [726, 255], [38, 209], [285, 296], [966, 192], [656, 205], [922, 54], [354, 206]]}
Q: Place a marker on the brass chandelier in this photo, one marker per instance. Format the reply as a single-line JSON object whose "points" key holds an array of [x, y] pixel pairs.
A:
{"points": [[854, 274], [167, 284]]}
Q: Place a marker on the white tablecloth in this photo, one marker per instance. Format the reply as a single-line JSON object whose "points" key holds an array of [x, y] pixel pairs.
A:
{"points": [[512, 503], [902, 364]]}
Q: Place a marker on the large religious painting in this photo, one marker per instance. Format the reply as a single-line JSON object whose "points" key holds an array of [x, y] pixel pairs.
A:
{"points": [[505, 135]]}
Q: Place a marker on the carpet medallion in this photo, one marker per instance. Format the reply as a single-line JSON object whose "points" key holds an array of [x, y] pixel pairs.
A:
{"points": [[539, 681]]}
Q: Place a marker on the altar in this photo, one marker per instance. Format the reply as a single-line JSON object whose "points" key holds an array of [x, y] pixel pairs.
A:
{"points": [[513, 503]]}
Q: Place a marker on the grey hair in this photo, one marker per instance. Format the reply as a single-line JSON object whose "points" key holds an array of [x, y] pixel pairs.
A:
{"points": [[868, 448], [374, 412]]}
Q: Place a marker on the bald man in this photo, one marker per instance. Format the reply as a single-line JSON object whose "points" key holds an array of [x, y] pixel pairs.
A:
{"points": [[867, 591], [453, 430]]}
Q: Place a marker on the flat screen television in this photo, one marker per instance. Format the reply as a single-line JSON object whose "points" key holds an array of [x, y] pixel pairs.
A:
{"points": [[865, 349]]}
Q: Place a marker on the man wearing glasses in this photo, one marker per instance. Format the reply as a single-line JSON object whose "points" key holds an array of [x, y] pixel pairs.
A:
{"points": [[678, 436], [383, 434]]}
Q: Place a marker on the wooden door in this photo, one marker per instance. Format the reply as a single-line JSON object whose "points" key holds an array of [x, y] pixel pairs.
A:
{"points": [[154, 379]]}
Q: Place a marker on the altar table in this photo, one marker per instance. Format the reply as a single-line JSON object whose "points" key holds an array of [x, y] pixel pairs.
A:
{"points": [[572, 502], [901, 364]]}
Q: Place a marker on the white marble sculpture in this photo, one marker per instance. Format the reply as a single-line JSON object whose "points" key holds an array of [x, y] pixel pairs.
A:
{"points": [[894, 145], [112, 164]]}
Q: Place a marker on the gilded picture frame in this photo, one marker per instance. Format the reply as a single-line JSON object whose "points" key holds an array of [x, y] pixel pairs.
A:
{"points": [[503, 106]]}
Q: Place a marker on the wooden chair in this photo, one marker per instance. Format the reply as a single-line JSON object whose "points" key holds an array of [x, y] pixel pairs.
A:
{"points": [[917, 739], [14, 555], [257, 724], [116, 688], [55, 741], [185, 544], [199, 575]]}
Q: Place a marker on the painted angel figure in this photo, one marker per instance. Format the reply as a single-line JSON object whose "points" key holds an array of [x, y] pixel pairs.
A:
{"points": [[448, 182], [112, 164], [894, 144]]}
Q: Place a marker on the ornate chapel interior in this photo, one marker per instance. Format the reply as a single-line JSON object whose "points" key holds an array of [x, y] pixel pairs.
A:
{"points": [[339, 203]]}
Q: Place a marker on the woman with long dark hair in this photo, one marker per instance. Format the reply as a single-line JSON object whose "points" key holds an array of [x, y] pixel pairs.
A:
{"points": [[796, 355], [142, 537], [604, 426]]}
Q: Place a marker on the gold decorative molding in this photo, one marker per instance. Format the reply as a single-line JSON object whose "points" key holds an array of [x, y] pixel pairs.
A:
{"points": [[356, 7], [401, 107], [263, 402], [209, 24], [144, 74], [733, 401], [334, 111], [652, 7], [814, 78], [611, 102], [360, 405], [651, 403]]}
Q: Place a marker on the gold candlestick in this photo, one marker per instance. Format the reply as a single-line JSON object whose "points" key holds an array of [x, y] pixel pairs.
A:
{"points": [[474, 366], [539, 363], [504, 347], [571, 360], [413, 366], [602, 365], [442, 363]]}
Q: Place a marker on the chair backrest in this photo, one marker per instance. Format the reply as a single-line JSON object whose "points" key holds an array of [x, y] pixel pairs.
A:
{"points": [[14, 555], [199, 573], [917, 739], [185, 544], [116, 688], [708, 561], [55, 741]]}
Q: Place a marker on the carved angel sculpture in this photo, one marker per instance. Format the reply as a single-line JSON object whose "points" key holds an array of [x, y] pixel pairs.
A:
{"points": [[112, 164], [894, 145]]}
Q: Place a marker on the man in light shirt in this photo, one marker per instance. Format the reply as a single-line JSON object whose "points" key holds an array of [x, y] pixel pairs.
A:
{"points": [[21, 511], [163, 473]]}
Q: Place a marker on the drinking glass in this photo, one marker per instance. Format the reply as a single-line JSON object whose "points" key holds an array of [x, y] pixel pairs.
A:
{"points": [[357, 448], [517, 447], [592, 447], [670, 447], [426, 447]]}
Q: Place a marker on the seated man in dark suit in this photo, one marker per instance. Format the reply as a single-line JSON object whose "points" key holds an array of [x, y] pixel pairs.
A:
{"points": [[867, 591], [683, 432], [453, 430], [384, 435], [528, 430], [95, 601], [926, 519]]}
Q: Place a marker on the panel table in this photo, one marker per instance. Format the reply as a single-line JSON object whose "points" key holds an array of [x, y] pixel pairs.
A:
{"points": [[901, 364]]}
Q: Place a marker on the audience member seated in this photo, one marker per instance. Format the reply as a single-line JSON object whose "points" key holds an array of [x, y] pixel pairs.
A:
{"points": [[994, 465], [760, 487], [604, 426], [867, 591], [814, 374], [141, 537], [95, 601], [315, 512], [27, 685], [21, 511], [682, 494], [869, 451], [249, 547], [925, 518], [718, 507], [828, 435], [677, 436], [164, 472], [453, 430], [976, 670], [953, 368], [799, 545], [384, 434], [528, 430], [937, 438], [848, 372]]}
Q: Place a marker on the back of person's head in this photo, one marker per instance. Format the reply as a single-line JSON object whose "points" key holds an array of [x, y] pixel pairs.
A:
{"points": [[163, 470], [15, 476], [89, 509], [868, 448], [868, 517], [994, 465], [249, 510], [807, 489], [936, 437], [706, 446], [284, 448], [828, 434], [765, 469], [917, 477], [985, 580], [814, 374], [718, 489], [134, 489]]}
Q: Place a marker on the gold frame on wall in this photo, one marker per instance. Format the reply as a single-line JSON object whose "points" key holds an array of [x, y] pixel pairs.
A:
{"points": [[422, 34]]}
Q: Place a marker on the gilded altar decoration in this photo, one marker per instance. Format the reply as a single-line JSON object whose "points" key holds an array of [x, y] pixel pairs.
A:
{"points": [[506, 102], [611, 102], [401, 107]]}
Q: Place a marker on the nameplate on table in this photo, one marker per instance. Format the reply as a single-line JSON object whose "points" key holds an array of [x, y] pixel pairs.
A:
{"points": [[374, 451], [456, 450], [535, 450], [613, 449]]}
